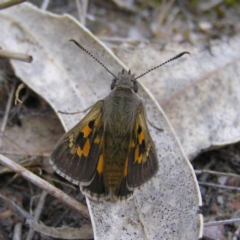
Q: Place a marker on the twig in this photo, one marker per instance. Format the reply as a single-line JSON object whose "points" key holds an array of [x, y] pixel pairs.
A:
{"points": [[16, 207], [85, 232], [219, 186], [217, 173], [166, 5], [73, 113], [17, 99], [37, 213], [82, 10], [236, 234], [17, 232], [10, 3], [21, 154], [45, 186], [45, 4], [7, 111], [14, 55], [159, 129], [208, 224]]}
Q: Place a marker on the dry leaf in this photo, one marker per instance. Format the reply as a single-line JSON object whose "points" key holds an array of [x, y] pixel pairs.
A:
{"points": [[85, 232], [166, 207], [32, 128]]}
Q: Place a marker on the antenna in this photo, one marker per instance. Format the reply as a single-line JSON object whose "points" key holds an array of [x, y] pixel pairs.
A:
{"points": [[85, 50], [171, 59]]}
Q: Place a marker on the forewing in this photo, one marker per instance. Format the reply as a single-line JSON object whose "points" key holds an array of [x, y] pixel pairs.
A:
{"points": [[77, 153], [142, 159]]}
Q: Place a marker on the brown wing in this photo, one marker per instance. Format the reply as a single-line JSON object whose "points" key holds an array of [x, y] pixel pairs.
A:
{"points": [[78, 152], [142, 159], [141, 163]]}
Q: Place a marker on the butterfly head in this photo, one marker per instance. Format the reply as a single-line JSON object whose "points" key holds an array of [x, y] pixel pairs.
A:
{"points": [[125, 80]]}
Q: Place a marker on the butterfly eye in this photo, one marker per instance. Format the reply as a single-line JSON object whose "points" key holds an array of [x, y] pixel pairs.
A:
{"points": [[135, 86], [113, 83]]}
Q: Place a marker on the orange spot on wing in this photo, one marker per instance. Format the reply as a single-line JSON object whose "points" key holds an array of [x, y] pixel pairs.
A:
{"points": [[86, 131], [100, 166], [140, 137], [138, 158], [79, 151], [86, 148]]}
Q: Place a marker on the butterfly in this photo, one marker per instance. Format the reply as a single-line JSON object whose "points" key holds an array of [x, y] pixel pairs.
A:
{"points": [[110, 152]]}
